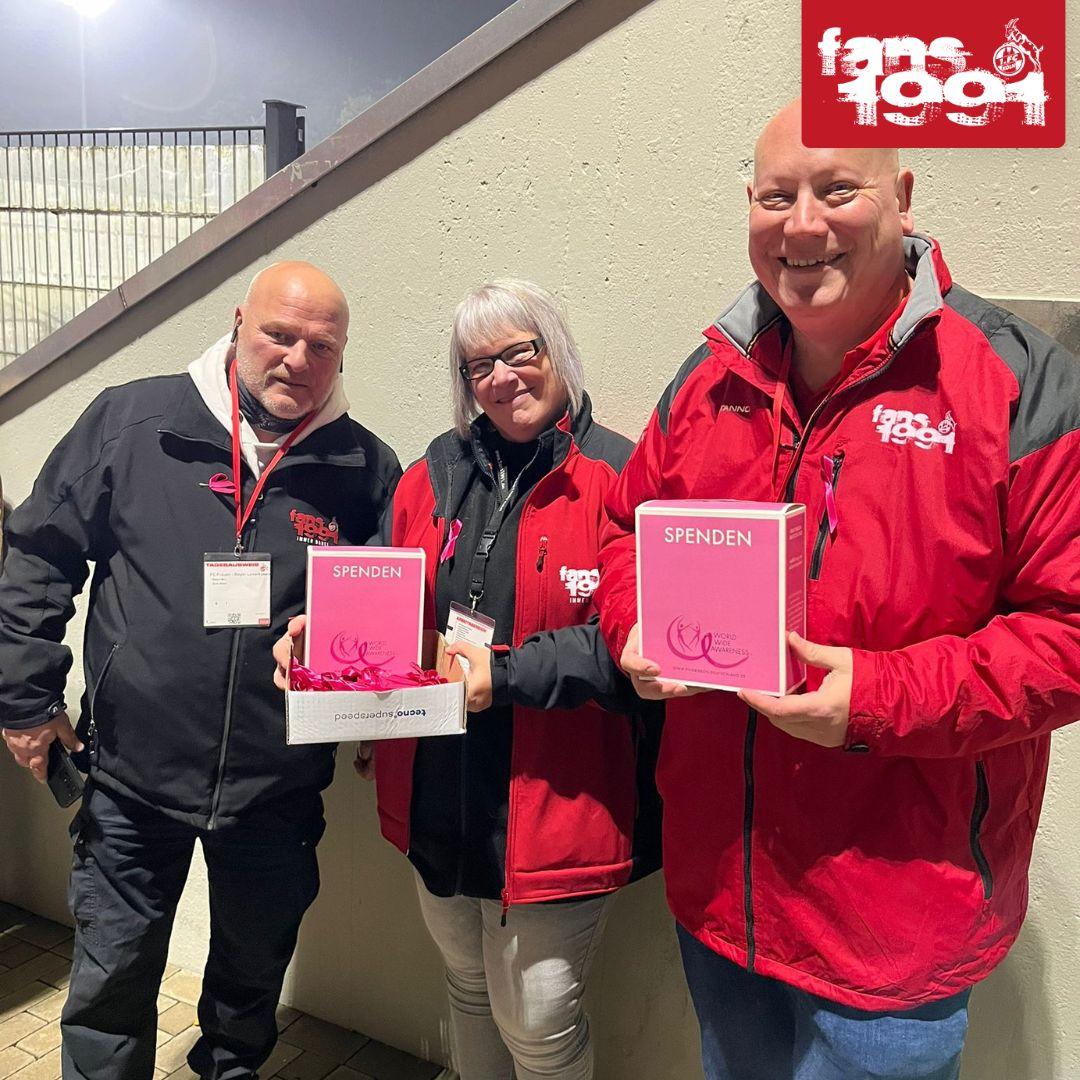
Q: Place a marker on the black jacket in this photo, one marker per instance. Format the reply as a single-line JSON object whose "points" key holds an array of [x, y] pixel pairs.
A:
{"points": [[184, 718]]}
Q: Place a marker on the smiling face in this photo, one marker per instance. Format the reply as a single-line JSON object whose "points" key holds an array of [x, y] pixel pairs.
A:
{"points": [[292, 329], [826, 231], [520, 401]]}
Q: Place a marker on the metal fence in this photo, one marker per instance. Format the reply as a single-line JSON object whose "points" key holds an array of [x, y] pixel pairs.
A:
{"points": [[81, 211]]}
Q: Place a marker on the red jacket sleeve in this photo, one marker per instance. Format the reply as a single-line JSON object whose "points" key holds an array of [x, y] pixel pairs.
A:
{"points": [[640, 480], [1018, 676]]}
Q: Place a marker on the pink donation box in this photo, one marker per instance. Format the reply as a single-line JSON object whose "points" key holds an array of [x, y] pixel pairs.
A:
{"points": [[720, 583], [365, 608]]}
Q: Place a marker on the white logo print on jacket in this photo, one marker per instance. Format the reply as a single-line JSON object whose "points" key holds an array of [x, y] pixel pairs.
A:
{"points": [[900, 426], [580, 584]]}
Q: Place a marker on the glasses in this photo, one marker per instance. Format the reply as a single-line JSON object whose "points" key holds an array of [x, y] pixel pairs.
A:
{"points": [[524, 352]]}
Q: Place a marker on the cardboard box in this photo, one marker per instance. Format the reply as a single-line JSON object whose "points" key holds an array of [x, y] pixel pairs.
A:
{"points": [[719, 584], [345, 715], [365, 608]]}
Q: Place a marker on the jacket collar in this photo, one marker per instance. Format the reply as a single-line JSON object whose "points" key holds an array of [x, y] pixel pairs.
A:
{"points": [[746, 322], [452, 459]]}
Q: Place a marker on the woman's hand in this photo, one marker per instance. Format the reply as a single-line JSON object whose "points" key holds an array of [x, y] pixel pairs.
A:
{"points": [[479, 673], [285, 646], [364, 762]]}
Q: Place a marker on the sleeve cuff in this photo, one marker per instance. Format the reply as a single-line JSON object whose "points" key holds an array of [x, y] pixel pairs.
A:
{"points": [[51, 713], [500, 677], [865, 725]]}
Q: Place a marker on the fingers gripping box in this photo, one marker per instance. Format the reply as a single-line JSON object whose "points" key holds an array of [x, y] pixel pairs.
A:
{"points": [[365, 610], [719, 585]]}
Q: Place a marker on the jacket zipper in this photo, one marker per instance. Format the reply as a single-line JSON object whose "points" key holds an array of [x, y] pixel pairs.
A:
{"points": [[541, 554], [230, 692], [91, 728], [748, 825], [978, 815], [748, 750], [823, 529], [789, 487]]}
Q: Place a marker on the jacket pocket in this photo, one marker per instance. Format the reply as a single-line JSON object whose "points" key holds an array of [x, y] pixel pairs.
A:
{"points": [[91, 737], [978, 815], [823, 528]]}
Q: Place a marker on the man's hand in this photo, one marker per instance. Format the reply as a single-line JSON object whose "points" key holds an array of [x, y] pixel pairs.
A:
{"points": [[364, 762], [30, 747], [643, 674], [478, 675], [292, 640], [819, 717]]}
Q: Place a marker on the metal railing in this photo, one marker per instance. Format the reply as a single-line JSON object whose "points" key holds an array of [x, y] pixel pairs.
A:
{"points": [[81, 211]]}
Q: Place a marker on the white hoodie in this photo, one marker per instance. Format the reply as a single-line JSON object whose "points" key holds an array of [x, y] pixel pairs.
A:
{"points": [[208, 374]]}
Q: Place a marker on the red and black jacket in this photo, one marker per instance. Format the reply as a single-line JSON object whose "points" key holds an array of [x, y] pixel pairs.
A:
{"points": [[574, 823], [893, 871]]}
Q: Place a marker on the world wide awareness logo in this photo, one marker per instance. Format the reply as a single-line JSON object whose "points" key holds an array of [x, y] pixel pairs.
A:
{"points": [[975, 79]]}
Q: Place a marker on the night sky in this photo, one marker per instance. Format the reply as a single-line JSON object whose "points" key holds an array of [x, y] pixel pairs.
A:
{"points": [[178, 63]]}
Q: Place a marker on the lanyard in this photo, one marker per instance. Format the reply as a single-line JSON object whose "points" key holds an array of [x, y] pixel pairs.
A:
{"points": [[244, 514], [503, 498]]}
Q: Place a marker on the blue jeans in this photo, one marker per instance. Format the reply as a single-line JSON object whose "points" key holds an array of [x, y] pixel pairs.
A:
{"points": [[756, 1028]]}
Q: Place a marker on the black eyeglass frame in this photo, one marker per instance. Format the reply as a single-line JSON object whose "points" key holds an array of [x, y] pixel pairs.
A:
{"points": [[466, 369]]}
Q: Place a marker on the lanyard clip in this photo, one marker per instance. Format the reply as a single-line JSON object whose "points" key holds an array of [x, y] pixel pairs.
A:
{"points": [[238, 549], [474, 599]]}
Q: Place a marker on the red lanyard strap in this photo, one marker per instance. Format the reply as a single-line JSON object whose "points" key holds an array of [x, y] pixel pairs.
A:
{"points": [[243, 515]]}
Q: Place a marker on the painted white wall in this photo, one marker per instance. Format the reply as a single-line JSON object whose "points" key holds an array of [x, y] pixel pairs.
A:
{"points": [[613, 176]]}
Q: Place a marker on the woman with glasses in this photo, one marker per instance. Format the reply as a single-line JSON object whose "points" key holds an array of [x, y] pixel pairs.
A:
{"points": [[520, 830]]}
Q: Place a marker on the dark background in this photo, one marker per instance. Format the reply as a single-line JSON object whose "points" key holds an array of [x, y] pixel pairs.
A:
{"points": [[187, 63]]}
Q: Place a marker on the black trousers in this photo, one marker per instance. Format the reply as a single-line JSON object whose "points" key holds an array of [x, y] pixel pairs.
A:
{"points": [[130, 865]]}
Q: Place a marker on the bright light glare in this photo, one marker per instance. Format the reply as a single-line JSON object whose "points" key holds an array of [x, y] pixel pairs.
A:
{"points": [[90, 9]]}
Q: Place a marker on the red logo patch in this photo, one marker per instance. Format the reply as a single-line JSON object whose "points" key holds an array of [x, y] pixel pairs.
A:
{"points": [[313, 530], [924, 73]]}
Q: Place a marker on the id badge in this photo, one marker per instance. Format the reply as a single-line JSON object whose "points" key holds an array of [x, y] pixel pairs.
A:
{"points": [[236, 591], [472, 627]]}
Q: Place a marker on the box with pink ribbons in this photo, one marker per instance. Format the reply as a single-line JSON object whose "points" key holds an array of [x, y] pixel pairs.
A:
{"points": [[719, 584], [368, 669]]}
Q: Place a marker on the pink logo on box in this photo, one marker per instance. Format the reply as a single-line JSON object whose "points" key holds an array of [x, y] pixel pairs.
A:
{"points": [[686, 641], [365, 608]]}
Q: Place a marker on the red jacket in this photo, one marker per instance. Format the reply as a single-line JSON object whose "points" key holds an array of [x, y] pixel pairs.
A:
{"points": [[573, 794], [894, 871]]}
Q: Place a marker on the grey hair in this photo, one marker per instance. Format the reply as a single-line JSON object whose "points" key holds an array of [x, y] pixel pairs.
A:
{"points": [[487, 313]]}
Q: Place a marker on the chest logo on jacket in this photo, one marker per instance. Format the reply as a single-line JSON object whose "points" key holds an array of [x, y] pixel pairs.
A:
{"points": [[313, 530], [901, 426], [580, 584]]}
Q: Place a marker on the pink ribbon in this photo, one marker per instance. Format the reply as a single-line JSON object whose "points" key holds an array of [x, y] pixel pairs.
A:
{"points": [[451, 541], [221, 484], [830, 494], [367, 678]]}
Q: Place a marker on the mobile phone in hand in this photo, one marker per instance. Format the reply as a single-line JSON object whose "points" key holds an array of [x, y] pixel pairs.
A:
{"points": [[63, 778]]}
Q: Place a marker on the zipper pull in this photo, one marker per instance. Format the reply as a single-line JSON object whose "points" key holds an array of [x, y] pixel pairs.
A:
{"points": [[505, 906], [541, 555]]}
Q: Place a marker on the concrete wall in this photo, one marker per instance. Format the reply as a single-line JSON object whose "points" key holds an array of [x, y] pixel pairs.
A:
{"points": [[605, 158]]}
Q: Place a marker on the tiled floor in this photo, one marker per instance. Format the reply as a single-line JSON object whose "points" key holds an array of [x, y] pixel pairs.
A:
{"points": [[35, 956]]}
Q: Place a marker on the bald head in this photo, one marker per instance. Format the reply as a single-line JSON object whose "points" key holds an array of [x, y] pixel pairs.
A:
{"points": [[784, 130], [293, 276], [292, 326]]}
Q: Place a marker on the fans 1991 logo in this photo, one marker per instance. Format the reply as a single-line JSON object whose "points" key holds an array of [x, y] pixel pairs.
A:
{"points": [[911, 74]]}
